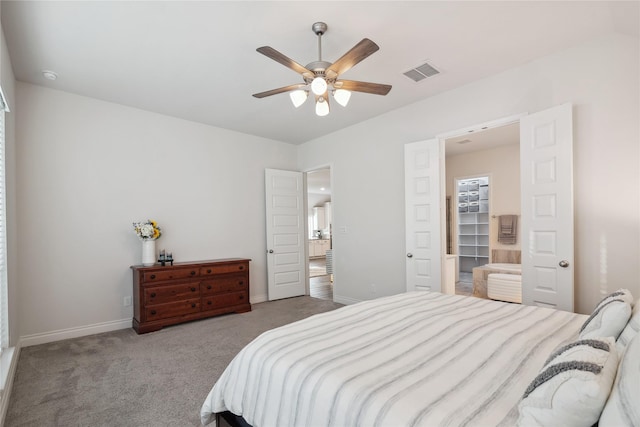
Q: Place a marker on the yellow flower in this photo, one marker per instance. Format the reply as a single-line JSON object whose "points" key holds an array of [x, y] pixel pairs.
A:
{"points": [[156, 233]]}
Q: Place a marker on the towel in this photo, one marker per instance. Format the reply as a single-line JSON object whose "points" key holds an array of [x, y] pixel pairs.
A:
{"points": [[507, 229]]}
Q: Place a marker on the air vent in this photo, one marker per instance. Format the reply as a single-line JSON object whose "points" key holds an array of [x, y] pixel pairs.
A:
{"points": [[421, 72]]}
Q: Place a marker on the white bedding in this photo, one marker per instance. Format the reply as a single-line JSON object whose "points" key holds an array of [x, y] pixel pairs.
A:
{"points": [[413, 359]]}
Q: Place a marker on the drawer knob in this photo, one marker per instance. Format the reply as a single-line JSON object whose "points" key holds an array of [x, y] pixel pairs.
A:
{"points": [[153, 312], [153, 276], [153, 294], [242, 267], [208, 286], [209, 271], [193, 273], [241, 296], [209, 302], [193, 305], [193, 289], [241, 282]]}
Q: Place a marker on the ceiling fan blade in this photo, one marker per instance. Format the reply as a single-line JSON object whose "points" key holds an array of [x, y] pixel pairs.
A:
{"points": [[373, 88], [279, 90], [285, 60], [357, 53]]}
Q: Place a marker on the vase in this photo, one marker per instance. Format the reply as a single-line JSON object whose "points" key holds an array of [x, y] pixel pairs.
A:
{"points": [[148, 252]]}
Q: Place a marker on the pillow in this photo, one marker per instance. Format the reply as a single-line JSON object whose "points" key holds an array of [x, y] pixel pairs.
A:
{"points": [[629, 331], [622, 408], [572, 386], [609, 317]]}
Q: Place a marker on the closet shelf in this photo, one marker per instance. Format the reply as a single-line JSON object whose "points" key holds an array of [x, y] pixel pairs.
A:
{"points": [[473, 227]]}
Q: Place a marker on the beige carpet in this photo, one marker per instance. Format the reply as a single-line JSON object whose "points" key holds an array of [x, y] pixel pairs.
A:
{"points": [[124, 379]]}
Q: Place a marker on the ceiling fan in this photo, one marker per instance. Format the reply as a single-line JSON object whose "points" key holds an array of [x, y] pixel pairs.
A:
{"points": [[321, 77]]}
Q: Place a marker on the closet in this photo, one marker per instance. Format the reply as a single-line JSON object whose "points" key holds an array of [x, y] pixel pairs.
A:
{"points": [[473, 223]]}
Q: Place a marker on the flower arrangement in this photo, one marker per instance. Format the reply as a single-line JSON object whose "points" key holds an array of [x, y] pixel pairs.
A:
{"points": [[147, 230]]}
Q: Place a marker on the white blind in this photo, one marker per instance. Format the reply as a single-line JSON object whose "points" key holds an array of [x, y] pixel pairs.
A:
{"points": [[4, 310]]}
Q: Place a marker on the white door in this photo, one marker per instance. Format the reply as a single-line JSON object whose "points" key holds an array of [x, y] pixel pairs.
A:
{"points": [[422, 215], [546, 161], [285, 234]]}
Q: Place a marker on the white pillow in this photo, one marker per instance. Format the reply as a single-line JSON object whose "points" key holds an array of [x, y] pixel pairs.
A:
{"points": [[572, 386], [629, 331], [623, 406], [609, 317]]}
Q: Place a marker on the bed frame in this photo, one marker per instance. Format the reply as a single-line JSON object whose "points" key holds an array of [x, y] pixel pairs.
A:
{"points": [[231, 419]]}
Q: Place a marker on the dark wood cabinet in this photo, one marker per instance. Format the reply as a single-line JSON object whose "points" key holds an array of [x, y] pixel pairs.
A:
{"points": [[188, 291]]}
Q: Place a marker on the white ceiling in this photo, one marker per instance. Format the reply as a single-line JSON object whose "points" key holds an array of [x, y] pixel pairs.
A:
{"points": [[198, 60], [483, 140], [319, 182]]}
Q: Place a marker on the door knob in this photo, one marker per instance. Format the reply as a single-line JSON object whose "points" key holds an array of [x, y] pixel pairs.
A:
{"points": [[270, 251], [409, 255], [564, 263]]}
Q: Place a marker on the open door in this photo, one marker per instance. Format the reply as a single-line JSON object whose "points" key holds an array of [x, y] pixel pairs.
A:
{"points": [[422, 215], [285, 224], [546, 159]]}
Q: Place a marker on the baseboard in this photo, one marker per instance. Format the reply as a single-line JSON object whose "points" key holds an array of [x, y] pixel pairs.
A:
{"points": [[9, 361], [255, 299], [64, 334], [345, 300]]}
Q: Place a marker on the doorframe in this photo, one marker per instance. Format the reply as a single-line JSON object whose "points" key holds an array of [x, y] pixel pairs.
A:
{"points": [[442, 137], [306, 225]]}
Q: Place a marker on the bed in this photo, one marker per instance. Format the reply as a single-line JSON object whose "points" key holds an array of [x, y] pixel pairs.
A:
{"points": [[413, 359]]}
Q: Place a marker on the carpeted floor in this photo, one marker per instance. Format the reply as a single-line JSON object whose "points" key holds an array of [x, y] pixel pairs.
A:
{"points": [[124, 379]]}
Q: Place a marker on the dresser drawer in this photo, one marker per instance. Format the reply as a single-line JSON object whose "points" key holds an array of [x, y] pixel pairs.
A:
{"points": [[237, 282], [224, 268], [163, 294], [178, 273], [172, 309], [188, 291], [224, 300]]}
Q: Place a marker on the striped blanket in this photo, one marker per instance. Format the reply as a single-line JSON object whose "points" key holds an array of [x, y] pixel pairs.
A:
{"points": [[413, 359]]}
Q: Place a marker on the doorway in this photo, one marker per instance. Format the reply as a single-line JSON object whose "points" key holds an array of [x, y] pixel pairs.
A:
{"points": [[472, 228], [482, 172], [546, 197], [319, 220]]}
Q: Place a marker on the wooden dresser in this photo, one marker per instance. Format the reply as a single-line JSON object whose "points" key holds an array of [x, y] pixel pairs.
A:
{"points": [[188, 291]]}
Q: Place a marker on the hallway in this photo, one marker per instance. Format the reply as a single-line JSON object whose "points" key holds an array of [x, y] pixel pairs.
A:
{"points": [[320, 285]]}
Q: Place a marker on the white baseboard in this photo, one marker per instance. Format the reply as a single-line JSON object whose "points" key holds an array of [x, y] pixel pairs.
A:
{"points": [[81, 331], [345, 300], [255, 299], [9, 362]]}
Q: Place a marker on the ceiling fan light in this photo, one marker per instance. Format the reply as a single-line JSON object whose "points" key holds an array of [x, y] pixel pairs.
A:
{"points": [[319, 86], [322, 107], [298, 97], [342, 96]]}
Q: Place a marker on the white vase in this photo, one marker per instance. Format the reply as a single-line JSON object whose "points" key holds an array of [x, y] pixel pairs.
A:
{"points": [[148, 252]]}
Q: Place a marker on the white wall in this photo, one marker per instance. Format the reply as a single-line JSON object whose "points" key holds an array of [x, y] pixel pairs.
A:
{"points": [[87, 169], [503, 165], [7, 80], [600, 78]]}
